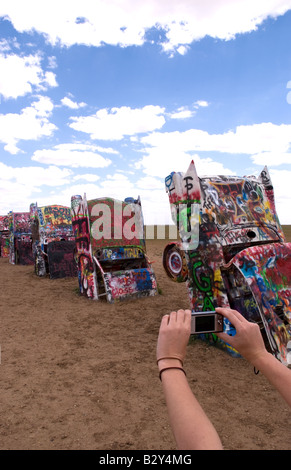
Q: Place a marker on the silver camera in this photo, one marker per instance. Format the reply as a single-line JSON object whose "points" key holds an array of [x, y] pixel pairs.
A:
{"points": [[206, 322]]}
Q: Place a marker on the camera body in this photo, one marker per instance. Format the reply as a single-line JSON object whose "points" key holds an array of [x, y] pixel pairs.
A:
{"points": [[206, 322]]}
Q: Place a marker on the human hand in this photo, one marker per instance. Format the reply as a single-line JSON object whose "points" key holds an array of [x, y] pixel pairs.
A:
{"points": [[173, 338], [248, 340]]}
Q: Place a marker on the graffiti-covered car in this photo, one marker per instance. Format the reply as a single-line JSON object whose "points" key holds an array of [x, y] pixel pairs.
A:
{"points": [[4, 236], [53, 241], [111, 252], [233, 252], [20, 239]]}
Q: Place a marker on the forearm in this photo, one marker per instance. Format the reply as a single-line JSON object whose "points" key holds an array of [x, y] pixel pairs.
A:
{"points": [[276, 373], [191, 427]]}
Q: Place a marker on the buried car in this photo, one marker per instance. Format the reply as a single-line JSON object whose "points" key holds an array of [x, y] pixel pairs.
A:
{"points": [[233, 252], [4, 236], [20, 239], [53, 241], [111, 252]]}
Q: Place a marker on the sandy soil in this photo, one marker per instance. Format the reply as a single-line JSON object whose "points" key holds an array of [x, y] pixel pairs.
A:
{"points": [[81, 374]]}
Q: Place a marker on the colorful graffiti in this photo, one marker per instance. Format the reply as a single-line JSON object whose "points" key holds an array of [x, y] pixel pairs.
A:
{"points": [[175, 263], [81, 229], [54, 220], [61, 259], [110, 244], [238, 256], [53, 241], [4, 236], [20, 239], [267, 270]]}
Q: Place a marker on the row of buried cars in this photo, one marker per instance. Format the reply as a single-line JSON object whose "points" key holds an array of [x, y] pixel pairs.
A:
{"points": [[231, 250]]}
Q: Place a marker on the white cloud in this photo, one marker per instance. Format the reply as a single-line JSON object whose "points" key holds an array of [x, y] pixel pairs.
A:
{"points": [[50, 80], [30, 124], [118, 186], [148, 182], [169, 151], [161, 161], [9, 196], [43, 107], [201, 103], [35, 176], [281, 183], [112, 187], [272, 158], [116, 123], [72, 104], [19, 185], [125, 23], [91, 190], [72, 155], [182, 113], [182, 49], [250, 140], [23, 74], [87, 177], [117, 178]]}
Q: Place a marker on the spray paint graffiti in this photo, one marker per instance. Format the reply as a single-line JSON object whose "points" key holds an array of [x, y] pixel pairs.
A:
{"points": [[4, 236], [53, 241], [61, 259], [20, 239], [110, 242], [239, 257], [267, 270], [81, 228]]}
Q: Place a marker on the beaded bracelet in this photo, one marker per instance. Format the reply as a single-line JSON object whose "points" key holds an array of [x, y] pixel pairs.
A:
{"points": [[170, 357], [167, 368]]}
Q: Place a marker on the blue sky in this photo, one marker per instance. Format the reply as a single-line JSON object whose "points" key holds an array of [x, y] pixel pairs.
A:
{"points": [[107, 98]]}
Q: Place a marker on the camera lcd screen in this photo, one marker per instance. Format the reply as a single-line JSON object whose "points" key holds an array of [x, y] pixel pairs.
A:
{"points": [[205, 323]]}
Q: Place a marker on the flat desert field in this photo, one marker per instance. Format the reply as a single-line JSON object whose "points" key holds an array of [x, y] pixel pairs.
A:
{"points": [[81, 374]]}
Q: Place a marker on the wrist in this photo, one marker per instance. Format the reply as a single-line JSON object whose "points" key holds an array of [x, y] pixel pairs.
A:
{"points": [[171, 370], [261, 359], [169, 362]]}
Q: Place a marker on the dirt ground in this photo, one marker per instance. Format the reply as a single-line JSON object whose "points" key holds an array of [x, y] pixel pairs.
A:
{"points": [[81, 374]]}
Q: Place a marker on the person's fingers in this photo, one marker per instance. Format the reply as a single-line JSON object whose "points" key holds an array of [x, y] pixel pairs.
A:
{"points": [[229, 311], [225, 337], [187, 316], [187, 319], [233, 316], [173, 317], [164, 322], [181, 316], [184, 317]]}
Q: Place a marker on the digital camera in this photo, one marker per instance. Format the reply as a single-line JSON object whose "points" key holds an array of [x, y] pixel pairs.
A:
{"points": [[206, 322]]}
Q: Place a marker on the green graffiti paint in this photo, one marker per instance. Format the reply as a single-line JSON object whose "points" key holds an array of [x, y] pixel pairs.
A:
{"points": [[204, 285]]}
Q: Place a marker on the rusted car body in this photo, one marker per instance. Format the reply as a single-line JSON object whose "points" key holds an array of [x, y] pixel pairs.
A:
{"points": [[233, 252], [111, 252], [53, 241]]}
